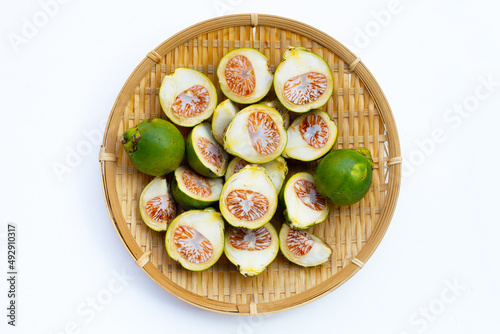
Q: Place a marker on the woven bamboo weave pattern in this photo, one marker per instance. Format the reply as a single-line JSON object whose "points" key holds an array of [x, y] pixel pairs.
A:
{"points": [[363, 118]]}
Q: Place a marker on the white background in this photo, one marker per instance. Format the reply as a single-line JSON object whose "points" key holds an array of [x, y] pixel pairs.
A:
{"points": [[431, 58]]}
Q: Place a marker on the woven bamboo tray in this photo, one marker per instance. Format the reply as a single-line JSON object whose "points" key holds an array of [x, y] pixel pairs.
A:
{"points": [[363, 117]]}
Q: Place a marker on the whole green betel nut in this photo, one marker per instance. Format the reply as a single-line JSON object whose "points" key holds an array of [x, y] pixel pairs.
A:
{"points": [[155, 146], [344, 176]]}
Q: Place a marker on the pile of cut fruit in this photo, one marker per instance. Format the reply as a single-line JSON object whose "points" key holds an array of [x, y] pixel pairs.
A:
{"points": [[217, 190]]}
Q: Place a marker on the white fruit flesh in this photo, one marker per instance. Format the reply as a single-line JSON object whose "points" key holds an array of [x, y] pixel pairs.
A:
{"points": [[251, 250], [294, 71], [303, 248], [248, 198], [187, 97], [210, 152], [206, 244], [256, 134], [222, 116], [156, 204], [306, 207], [310, 136], [244, 64], [276, 170]]}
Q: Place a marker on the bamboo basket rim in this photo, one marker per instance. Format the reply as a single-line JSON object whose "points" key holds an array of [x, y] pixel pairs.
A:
{"points": [[108, 158]]}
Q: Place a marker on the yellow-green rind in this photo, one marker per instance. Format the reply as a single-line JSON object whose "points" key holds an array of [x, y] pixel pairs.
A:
{"points": [[184, 199], [196, 162]]}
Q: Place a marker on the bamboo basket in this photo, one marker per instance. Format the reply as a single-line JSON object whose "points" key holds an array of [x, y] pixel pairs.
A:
{"points": [[363, 117]]}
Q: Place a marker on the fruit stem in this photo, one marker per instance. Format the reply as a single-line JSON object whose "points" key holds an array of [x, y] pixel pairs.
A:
{"points": [[291, 50], [130, 139], [366, 152]]}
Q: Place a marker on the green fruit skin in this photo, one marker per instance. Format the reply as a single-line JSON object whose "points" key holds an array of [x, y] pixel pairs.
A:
{"points": [[344, 176], [194, 161], [155, 146], [186, 201], [281, 197]]}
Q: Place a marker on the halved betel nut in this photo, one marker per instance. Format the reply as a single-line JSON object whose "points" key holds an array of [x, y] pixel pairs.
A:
{"points": [[187, 97], [304, 205], [204, 154], [256, 134], [303, 80], [248, 198], [251, 250], [192, 190], [244, 75], [195, 239], [276, 169], [303, 248], [156, 204], [310, 136]]}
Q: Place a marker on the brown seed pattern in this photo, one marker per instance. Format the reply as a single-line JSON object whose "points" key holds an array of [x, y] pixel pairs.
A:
{"points": [[211, 152], [314, 131], [196, 184], [191, 102], [309, 195], [239, 166], [299, 243], [305, 88], [263, 133], [192, 245], [240, 75], [247, 204], [251, 240], [161, 209]]}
